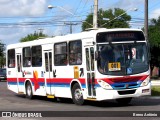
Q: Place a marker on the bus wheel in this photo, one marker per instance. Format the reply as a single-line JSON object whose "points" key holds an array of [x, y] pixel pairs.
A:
{"points": [[124, 101], [29, 93], [77, 95]]}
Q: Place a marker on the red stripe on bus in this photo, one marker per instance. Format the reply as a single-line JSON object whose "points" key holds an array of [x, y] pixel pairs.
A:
{"points": [[64, 80], [125, 79], [49, 80]]}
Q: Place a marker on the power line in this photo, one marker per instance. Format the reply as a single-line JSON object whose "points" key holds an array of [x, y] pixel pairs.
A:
{"points": [[77, 7]]}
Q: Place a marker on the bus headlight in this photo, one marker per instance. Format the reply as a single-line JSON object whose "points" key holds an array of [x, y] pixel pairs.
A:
{"points": [[145, 82], [104, 85]]}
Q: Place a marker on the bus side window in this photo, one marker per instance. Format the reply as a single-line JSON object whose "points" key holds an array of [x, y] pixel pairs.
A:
{"points": [[36, 56], [11, 58], [27, 57], [75, 52], [29, 62], [60, 54]]}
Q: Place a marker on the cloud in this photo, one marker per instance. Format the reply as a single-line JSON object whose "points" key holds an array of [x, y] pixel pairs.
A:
{"points": [[18, 8], [155, 14], [7, 35], [22, 7], [12, 35], [127, 4]]}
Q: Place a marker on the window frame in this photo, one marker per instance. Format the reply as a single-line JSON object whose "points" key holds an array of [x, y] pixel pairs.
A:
{"points": [[23, 58], [37, 57], [75, 53], [8, 59], [65, 53]]}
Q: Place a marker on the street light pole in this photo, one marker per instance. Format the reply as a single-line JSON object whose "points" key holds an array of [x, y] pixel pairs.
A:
{"points": [[50, 7]]}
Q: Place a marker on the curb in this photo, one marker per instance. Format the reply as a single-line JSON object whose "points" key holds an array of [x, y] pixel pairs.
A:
{"points": [[155, 82], [150, 97]]}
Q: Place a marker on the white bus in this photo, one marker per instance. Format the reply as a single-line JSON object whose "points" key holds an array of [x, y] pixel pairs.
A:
{"points": [[98, 65]]}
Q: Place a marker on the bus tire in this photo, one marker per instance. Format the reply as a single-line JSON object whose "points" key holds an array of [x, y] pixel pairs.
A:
{"points": [[124, 101], [77, 95], [29, 92]]}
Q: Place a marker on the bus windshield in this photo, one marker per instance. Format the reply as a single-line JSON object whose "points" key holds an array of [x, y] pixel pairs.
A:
{"points": [[122, 59]]}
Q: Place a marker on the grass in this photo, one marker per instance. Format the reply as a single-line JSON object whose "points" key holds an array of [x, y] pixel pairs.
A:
{"points": [[155, 91]]}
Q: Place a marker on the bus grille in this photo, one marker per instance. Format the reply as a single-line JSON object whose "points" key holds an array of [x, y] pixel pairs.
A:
{"points": [[127, 85], [126, 92]]}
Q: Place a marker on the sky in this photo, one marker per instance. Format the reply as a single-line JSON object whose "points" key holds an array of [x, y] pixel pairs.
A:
{"points": [[18, 18]]}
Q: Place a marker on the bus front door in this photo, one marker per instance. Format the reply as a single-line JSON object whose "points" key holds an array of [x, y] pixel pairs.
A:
{"points": [[90, 67], [19, 72], [48, 72]]}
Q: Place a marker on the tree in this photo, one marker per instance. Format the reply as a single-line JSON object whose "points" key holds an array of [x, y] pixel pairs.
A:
{"points": [[154, 39], [119, 22], [31, 37], [2, 55], [153, 31]]}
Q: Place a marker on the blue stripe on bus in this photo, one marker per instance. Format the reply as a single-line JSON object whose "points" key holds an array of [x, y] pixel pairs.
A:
{"points": [[114, 85], [21, 83], [62, 85], [48, 84], [12, 83], [97, 85], [58, 85], [124, 85], [83, 85], [41, 83], [15, 83]]}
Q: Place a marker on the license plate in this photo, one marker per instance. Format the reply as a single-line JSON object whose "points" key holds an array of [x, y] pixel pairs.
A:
{"points": [[114, 66]]}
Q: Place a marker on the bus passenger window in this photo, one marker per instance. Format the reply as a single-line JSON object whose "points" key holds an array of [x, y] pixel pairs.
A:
{"points": [[79, 58], [29, 62], [60, 54], [75, 52], [27, 57], [37, 56], [12, 63], [72, 59], [11, 58]]}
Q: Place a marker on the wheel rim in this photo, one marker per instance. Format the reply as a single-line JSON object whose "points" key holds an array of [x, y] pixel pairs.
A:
{"points": [[29, 91], [77, 94]]}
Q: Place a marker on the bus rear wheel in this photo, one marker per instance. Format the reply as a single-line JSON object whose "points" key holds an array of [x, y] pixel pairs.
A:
{"points": [[29, 92], [77, 95], [124, 101]]}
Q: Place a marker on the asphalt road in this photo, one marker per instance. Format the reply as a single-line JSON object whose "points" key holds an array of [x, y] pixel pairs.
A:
{"points": [[10, 101]]}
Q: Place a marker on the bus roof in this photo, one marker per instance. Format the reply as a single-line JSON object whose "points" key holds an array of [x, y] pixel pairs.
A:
{"points": [[85, 34]]}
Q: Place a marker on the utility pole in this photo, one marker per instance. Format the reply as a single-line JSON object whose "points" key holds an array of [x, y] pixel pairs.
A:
{"points": [[70, 26], [146, 20], [95, 14]]}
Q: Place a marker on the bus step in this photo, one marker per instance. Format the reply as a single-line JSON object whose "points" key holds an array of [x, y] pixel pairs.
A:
{"points": [[50, 96], [92, 99]]}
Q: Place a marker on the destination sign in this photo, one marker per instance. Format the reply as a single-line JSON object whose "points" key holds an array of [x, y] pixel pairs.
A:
{"points": [[120, 36]]}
